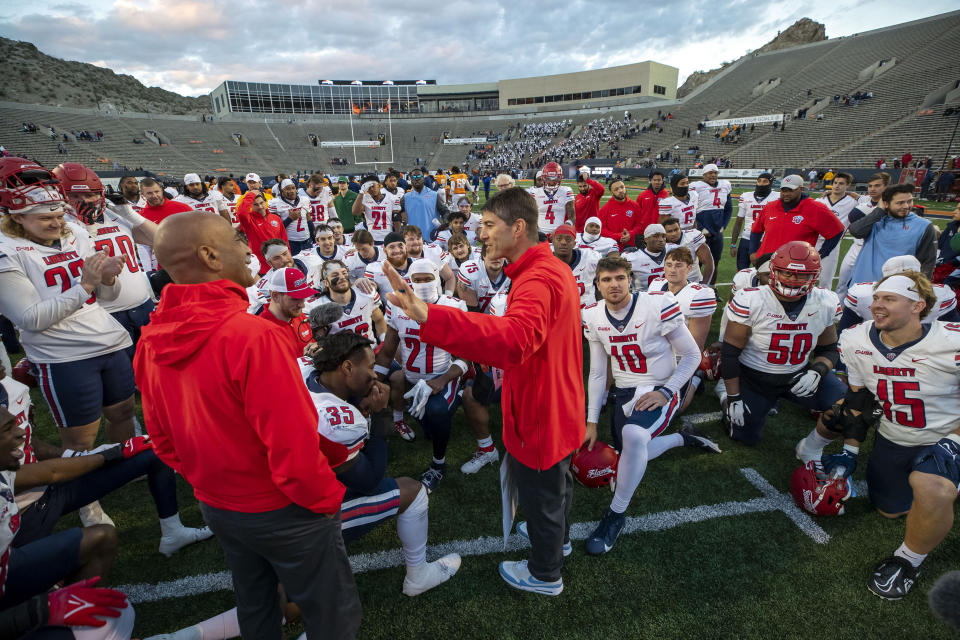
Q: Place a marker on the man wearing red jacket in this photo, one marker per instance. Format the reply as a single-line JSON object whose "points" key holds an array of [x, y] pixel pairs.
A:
{"points": [[587, 201], [537, 344], [228, 411], [794, 216], [649, 200], [259, 225], [620, 217]]}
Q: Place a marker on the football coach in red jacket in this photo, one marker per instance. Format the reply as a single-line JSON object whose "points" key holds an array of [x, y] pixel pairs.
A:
{"points": [[226, 408], [538, 345]]}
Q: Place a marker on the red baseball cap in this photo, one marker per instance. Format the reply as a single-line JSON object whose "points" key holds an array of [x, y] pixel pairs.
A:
{"points": [[567, 229], [291, 282]]}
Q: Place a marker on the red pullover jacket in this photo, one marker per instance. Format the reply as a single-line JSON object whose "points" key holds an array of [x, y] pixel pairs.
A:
{"points": [[616, 216], [587, 206], [226, 407], [538, 345], [649, 201]]}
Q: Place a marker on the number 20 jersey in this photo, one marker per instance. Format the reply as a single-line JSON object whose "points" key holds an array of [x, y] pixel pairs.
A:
{"points": [[639, 353], [780, 344], [917, 384], [113, 235]]}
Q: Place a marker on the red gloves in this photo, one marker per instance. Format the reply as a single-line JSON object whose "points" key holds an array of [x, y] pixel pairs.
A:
{"points": [[83, 605], [126, 449]]}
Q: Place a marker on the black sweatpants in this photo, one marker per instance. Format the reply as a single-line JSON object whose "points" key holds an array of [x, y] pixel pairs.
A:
{"points": [[545, 498]]}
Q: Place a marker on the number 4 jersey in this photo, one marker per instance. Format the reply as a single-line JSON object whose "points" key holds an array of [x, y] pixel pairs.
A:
{"points": [[780, 343], [420, 361], [917, 384]]}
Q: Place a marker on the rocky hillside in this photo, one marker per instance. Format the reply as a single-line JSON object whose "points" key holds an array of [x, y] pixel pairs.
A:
{"points": [[802, 31], [36, 78]]}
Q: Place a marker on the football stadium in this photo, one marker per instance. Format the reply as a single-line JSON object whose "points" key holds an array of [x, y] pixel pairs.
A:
{"points": [[399, 357]]}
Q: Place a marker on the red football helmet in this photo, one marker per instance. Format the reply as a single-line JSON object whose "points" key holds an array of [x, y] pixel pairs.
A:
{"points": [[710, 364], [26, 187], [76, 180], [817, 494], [794, 269], [597, 468], [21, 373], [552, 175]]}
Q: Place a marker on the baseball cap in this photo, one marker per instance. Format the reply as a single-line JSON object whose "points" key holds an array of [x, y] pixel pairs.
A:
{"points": [[653, 229], [287, 182], [566, 229], [899, 264], [342, 179], [291, 282], [252, 177], [792, 182], [710, 167], [191, 178], [539, 174]]}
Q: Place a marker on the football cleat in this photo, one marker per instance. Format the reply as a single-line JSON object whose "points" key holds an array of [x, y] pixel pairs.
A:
{"points": [[432, 476], [606, 533], [693, 439], [405, 431], [522, 532], [818, 494], [428, 575], [893, 578], [479, 460], [597, 468], [184, 536], [517, 575]]}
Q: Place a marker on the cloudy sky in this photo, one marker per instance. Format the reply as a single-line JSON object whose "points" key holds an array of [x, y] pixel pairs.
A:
{"points": [[190, 46]]}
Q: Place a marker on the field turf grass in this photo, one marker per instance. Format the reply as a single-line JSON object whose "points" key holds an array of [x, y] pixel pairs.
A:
{"points": [[740, 576]]}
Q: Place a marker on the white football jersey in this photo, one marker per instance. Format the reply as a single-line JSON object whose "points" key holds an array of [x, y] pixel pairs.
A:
{"points": [[54, 272], [745, 278], [9, 523], [378, 216], [397, 198], [420, 361], [321, 205], [841, 208], [473, 275], [210, 203], [374, 271], [257, 294], [115, 237], [780, 344], [693, 240], [297, 230], [553, 208], [639, 353], [709, 198], [232, 208], [749, 209], [865, 204], [695, 300], [917, 384], [339, 421], [860, 296], [601, 245], [584, 269], [646, 268], [434, 253], [685, 212], [357, 264], [314, 260], [357, 313], [471, 226], [15, 397]]}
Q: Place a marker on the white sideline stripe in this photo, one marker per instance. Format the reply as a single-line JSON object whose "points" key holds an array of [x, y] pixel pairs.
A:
{"points": [[771, 500]]}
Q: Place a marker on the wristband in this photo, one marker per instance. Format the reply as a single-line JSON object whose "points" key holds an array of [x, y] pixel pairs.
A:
{"points": [[449, 294], [733, 397], [849, 448], [380, 339], [382, 370], [666, 393]]}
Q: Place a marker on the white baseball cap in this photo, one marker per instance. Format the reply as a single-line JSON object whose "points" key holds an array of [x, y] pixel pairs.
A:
{"points": [[252, 177], [899, 264], [710, 167], [287, 182], [792, 182], [191, 178]]}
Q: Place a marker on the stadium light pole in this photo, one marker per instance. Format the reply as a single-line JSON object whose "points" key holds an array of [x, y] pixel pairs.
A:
{"points": [[955, 111]]}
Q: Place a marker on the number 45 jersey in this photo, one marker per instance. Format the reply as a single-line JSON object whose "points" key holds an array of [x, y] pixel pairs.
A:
{"points": [[639, 353], [917, 384], [780, 343]]}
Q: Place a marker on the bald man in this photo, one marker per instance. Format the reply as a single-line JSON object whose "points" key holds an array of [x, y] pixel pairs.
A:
{"points": [[256, 462]]}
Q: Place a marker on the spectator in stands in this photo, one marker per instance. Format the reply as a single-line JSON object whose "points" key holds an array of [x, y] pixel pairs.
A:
{"points": [[505, 181], [944, 185], [893, 232], [425, 207], [259, 225], [794, 216], [158, 206], [620, 217], [343, 203], [587, 201]]}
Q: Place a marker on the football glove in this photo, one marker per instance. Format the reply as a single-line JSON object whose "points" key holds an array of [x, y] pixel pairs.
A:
{"points": [[83, 605], [115, 197], [736, 410], [941, 459], [840, 465], [807, 383], [417, 398], [126, 449]]}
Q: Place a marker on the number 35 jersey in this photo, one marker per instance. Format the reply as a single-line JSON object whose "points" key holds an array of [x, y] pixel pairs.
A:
{"points": [[780, 343], [916, 384], [639, 352], [85, 329], [420, 361]]}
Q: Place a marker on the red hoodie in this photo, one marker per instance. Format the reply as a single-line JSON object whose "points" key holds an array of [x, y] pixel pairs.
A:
{"points": [[615, 216], [227, 408]]}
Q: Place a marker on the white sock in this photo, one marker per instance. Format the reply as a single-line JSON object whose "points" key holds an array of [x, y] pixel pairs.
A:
{"points": [[633, 464], [695, 382], [137, 427], [721, 390], [813, 445], [221, 627], [485, 443], [440, 461], [412, 530], [397, 416], [169, 526], [910, 556], [663, 443]]}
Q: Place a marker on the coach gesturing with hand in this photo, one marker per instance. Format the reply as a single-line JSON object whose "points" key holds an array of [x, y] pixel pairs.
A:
{"points": [[538, 345]]}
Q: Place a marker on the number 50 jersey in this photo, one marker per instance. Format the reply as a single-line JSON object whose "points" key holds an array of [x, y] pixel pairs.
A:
{"points": [[917, 384], [780, 343]]}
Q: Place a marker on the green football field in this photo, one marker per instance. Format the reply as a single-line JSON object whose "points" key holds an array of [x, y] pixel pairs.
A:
{"points": [[714, 548]]}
